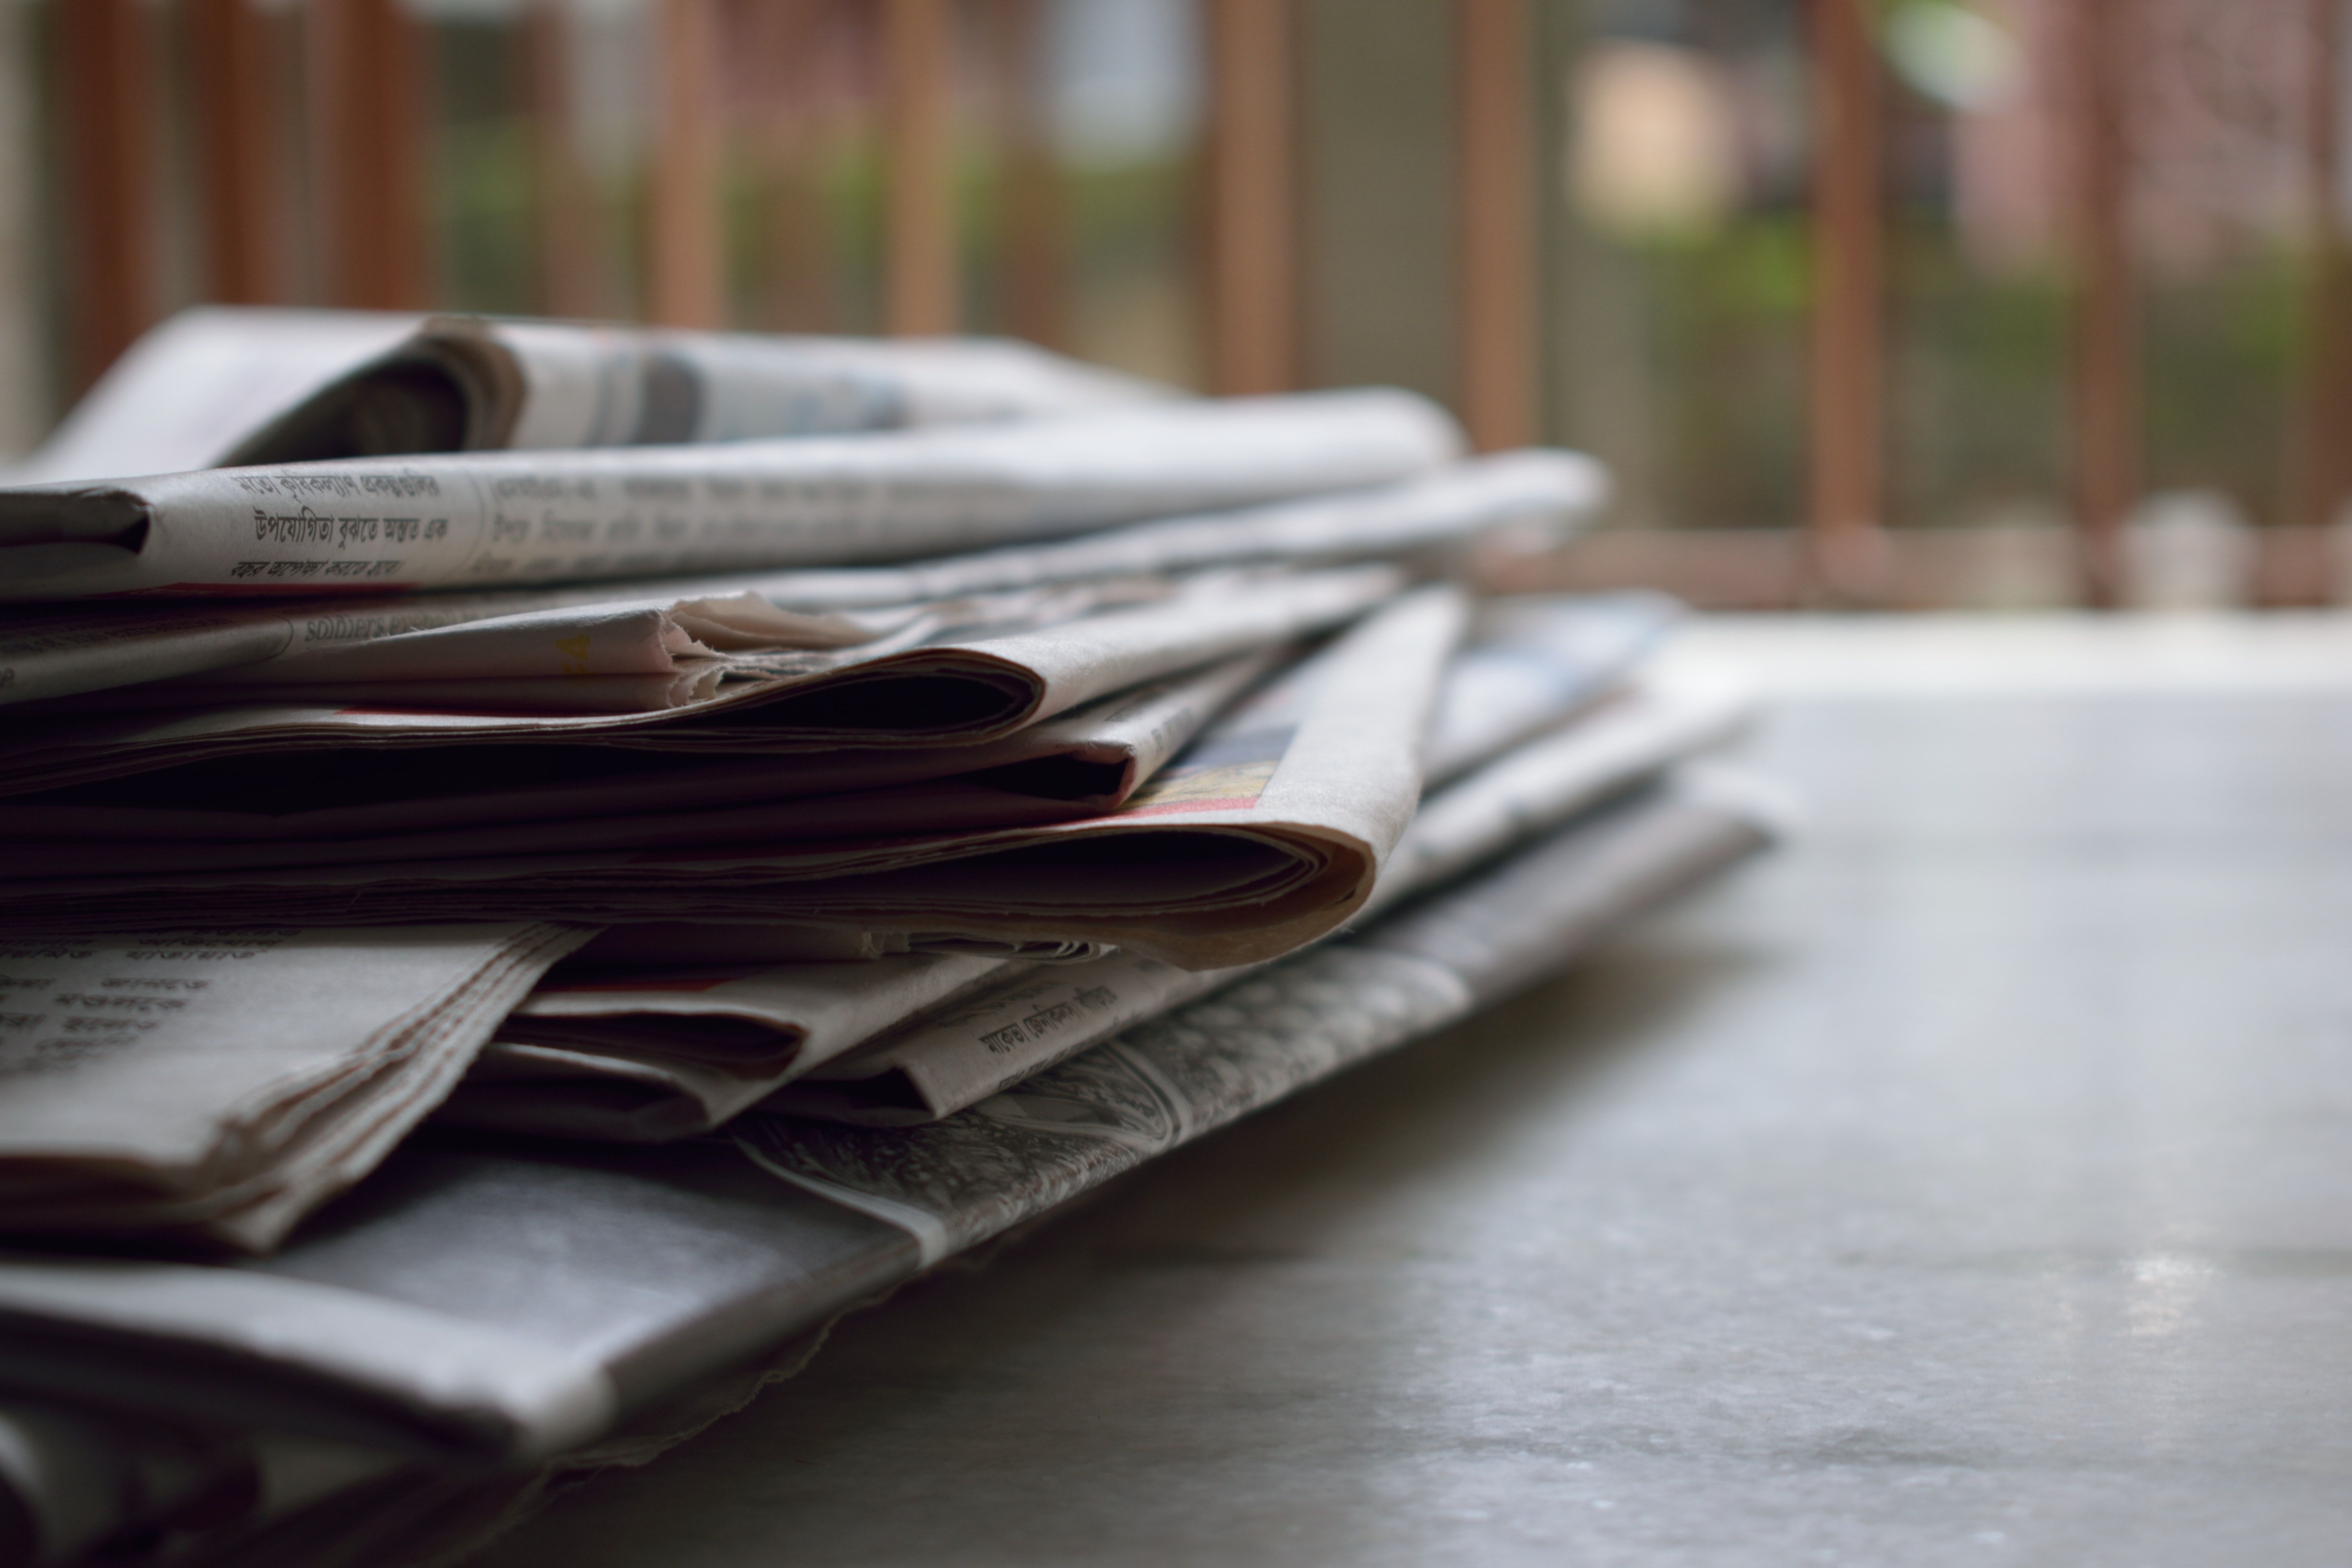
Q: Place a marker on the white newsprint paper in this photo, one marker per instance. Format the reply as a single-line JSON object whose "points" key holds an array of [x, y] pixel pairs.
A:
{"points": [[225, 384], [502, 1305], [575, 633], [219, 1084], [1013, 1028], [477, 384], [1087, 761], [961, 675], [1268, 832], [583, 1056], [61, 650], [373, 525], [654, 1064]]}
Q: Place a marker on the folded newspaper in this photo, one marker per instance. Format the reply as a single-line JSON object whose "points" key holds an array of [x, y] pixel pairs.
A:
{"points": [[52, 651], [218, 1084], [490, 1305], [605, 1052], [1090, 759], [962, 675], [1267, 833], [223, 384], [373, 525]]}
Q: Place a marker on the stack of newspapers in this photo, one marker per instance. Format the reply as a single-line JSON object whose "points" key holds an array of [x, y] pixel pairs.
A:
{"points": [[543, 863]]}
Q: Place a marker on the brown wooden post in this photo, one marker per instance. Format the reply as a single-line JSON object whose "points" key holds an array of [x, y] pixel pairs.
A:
{"points": [[106, 90], [1845, 391], [2105, 337], [2322, 479], [564, 206], [1253, 219], [240, 181], [792, 43], [919, 292], [686, 277], [1036, 253], [1494, 179], [367, 94]]}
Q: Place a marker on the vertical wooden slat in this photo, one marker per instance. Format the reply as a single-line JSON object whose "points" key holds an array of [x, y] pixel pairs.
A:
{"points": [[107, 92], [1494, 164], [918, 285], [1035, 254], [2106, 348], [367, 92], [1253, 218], [686, 282], [564, 206], [1844, 389], [240, 184], [2322, 482], [791, 43]]}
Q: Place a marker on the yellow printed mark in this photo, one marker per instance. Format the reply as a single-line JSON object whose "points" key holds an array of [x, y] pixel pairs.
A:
{"points": [[575, 653], [1237, 781]]}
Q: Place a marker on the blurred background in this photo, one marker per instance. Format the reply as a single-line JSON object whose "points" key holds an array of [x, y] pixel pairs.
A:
{"points": [[1921, 303]]}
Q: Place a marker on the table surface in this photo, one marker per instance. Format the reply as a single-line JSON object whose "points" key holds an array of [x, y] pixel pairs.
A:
{"points": [[1966, 1184]]}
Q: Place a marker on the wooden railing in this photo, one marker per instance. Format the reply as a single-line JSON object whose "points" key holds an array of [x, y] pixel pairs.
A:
{"points": [[360, 70]]}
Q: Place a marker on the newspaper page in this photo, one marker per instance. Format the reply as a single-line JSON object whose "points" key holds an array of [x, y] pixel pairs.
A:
{"points": [[226, 383], [1266, 834], [61, 650], [1443, 511], [484, 1305], [581, 1057], [1014, 1155], [1536, 663], [475, 383], [195, 385], [1088, 759], [942, 681], [1014, 1028], [220, 1083], [489, 520]]}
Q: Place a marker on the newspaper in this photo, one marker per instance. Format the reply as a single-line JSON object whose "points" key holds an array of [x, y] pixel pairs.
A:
{"points": [[479, 1304], [1086, 761], [1534, 662], [218, 1084], [966, 675], [475, 383], [196, 384], [224, 383], [1018, 1026], [52, 651], [581, 1057], [1266, 834], [375, 525], [1537, 662]]}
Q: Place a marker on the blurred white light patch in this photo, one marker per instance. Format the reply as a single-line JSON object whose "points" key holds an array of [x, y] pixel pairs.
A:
{"points": [[1124, 80], [1954, 54], [1655, 141]]}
